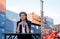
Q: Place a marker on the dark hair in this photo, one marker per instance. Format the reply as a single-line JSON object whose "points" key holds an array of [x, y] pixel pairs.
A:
{"points": [[24, 14]]}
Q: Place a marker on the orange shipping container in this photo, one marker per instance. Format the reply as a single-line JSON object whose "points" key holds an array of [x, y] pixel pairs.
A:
{"points": [[34, 18], [3, 6]]}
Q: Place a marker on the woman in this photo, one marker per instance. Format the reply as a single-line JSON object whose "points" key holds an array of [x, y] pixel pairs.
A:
{"points": [[23, 26]]}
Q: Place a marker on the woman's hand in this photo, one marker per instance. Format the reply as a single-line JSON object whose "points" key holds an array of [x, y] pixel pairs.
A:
{"points": [[25, 24], [17, 30]]}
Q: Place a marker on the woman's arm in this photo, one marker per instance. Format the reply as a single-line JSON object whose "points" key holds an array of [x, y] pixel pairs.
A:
{"points": [[27, 28], [17, 30]]}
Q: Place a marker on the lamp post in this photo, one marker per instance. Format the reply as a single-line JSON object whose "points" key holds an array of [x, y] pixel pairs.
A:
{"points": [[42, 19]]}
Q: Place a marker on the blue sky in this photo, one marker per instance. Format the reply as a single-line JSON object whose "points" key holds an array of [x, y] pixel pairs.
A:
{"points": [[51, 7]]}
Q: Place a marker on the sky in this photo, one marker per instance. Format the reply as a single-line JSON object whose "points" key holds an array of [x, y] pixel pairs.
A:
{"points": [[51, 7]]}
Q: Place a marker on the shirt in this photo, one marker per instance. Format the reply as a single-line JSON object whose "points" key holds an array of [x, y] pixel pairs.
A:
{"points": [[23, 29]]}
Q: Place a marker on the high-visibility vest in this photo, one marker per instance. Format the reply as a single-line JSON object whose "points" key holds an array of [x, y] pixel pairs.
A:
{"points": [[52, 35], [44, 37]]}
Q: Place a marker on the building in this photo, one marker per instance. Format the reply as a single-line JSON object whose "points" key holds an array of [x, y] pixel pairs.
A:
{"points": [[2, 24], [2, 17], [11, 19], [49, 22]]}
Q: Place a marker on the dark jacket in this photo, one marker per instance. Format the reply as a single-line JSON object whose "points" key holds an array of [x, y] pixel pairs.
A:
{"points": [[29, 26]]}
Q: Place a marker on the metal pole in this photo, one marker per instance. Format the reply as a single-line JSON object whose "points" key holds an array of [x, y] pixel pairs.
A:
{"points": [[42, 18]]}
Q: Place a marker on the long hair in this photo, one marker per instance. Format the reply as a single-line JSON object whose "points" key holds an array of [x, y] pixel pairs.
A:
{"points": [[24, 14]]}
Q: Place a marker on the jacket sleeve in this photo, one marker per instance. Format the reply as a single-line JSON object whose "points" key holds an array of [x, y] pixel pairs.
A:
{"points": [[17, 23], [29, 25]]}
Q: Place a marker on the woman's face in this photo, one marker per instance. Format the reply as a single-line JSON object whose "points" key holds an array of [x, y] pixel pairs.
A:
{"points": [[22, 17]]}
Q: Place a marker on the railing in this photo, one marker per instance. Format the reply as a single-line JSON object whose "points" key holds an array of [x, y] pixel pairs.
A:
{"points": [[14, 35]]}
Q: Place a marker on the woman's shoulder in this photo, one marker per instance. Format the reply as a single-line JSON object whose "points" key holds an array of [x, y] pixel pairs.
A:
{"points": [[29, 21]]}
